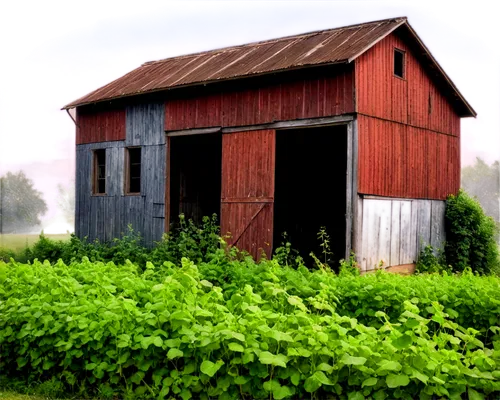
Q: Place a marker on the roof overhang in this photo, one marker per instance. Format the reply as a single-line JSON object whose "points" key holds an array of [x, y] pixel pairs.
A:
{"points": [[399, 24]]}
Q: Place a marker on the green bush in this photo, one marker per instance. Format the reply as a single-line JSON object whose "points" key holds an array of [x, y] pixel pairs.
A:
{"points": [[470, 236], [184, 240], [432, 260], [267, 331]]}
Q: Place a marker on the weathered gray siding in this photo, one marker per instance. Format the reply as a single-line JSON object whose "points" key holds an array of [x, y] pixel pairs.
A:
{"points": [[393, 231], [107, 217]]}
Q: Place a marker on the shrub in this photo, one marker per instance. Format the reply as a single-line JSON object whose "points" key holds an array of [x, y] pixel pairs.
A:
{"points": [[266, 332], [470, 236], [431, 260]]}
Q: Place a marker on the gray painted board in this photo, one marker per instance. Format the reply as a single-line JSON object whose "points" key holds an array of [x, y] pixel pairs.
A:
{"points": [[393, 230]]}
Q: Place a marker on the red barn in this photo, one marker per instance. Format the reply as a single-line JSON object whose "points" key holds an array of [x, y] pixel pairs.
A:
{"points": [[355, 129]]}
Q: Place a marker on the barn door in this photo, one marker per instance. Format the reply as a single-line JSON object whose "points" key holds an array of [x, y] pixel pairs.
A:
{"points": [[247, 192]]}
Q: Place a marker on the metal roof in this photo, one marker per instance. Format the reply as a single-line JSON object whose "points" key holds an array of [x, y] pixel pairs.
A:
{"points": [[333, 46]]}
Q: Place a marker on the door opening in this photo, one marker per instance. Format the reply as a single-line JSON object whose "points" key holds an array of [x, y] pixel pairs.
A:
{"points": [[195, 176], [310, 193]]}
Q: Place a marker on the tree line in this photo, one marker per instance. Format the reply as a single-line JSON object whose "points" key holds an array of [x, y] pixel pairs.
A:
{"points": [[22, 205]]}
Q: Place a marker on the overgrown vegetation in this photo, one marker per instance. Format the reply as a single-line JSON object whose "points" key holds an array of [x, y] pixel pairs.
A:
{"points": [[186, 239], [231, 328], [190, 318], [471, 240], [471, 236]]}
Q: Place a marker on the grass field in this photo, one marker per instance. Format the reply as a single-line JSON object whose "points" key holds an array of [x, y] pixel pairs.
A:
{"points": [[15, 396], [20, 241]]}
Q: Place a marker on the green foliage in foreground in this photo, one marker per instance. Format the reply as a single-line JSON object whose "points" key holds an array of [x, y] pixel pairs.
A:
{"points": [[236, 329]]}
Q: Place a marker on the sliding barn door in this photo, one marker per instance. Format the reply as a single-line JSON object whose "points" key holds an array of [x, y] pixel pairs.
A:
{"points": [[247, 196]]}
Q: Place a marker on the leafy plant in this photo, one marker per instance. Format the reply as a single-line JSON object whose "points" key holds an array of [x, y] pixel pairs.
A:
{"points": [[470, 236], [231, 328], [432, 260]]}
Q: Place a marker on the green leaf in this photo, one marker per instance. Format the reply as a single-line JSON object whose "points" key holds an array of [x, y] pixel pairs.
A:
{"points": [[283, 392], [311, 385], [473, 395], [174, 353], [173, 342], [355, 396], [295, 378], [394, 381], [241, 380], [321, 378], [209, 368], [389, 366], [351, 360], [421, 377], [236, 347], [402, 342], [271, 385], [325, 367], [369, 382], [158, 341], [278, 360]]}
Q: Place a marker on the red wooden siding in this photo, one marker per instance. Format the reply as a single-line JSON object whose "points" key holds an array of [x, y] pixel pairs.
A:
{"points": [[100, 126], [396, 160], [248, 160], [414, 100], [304, 98]]}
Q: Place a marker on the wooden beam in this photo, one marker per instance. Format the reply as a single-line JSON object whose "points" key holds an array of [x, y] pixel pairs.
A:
{"points": [[357, 201], [196, 131], [300, 123], [348, 192], [167, 184]]}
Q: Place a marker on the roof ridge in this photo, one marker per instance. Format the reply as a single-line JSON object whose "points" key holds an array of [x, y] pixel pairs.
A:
{"points": [[278, 39]]}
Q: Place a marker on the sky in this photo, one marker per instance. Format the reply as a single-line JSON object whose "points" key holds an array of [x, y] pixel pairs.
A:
{"points": [[53, 52]]}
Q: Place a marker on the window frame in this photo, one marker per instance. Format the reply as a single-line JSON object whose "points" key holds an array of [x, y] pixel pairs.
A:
{"points": [[127, 172], [403, 67], [95, 173]]}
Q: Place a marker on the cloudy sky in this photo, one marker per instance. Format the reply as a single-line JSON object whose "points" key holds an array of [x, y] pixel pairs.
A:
{"points": [[53, 52]]}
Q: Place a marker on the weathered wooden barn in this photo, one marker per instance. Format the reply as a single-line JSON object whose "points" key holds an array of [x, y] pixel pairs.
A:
{"points": [[355, 128]]}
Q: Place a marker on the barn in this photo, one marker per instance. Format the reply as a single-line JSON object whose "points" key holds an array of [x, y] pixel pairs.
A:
{"points": [[355, 129]]}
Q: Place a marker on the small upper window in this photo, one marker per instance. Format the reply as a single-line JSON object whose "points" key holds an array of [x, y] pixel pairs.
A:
{"points": [[99, 181], [133, 173], [399, 63]]}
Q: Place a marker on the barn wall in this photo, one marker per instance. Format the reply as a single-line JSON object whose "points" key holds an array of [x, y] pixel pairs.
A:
{"points": [[397, 160], [415, 100], [328, 95], [100, 126], [107, 217], [395, 230]]}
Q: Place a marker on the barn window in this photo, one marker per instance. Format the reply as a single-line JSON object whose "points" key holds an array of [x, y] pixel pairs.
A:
{"points": [[99, 174], [133, 170], [399, 63]]}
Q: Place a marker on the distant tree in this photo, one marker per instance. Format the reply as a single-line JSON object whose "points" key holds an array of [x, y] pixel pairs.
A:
{"points": [[483, 182], [21, 205], [66, 201]]}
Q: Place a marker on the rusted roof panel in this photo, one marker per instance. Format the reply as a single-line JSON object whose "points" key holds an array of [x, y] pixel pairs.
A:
{"points": [[315, 48], [340, 45]]}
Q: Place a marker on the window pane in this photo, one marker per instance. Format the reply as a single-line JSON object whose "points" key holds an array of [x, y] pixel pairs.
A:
{"points": [[102, 172], [135, 155], [135, 171], [135, 185], [398, 63], [101, 186], [101, 156]]}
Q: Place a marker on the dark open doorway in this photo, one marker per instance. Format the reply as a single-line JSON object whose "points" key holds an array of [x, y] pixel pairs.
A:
{"points": [[310, 192], [195, 176]]}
